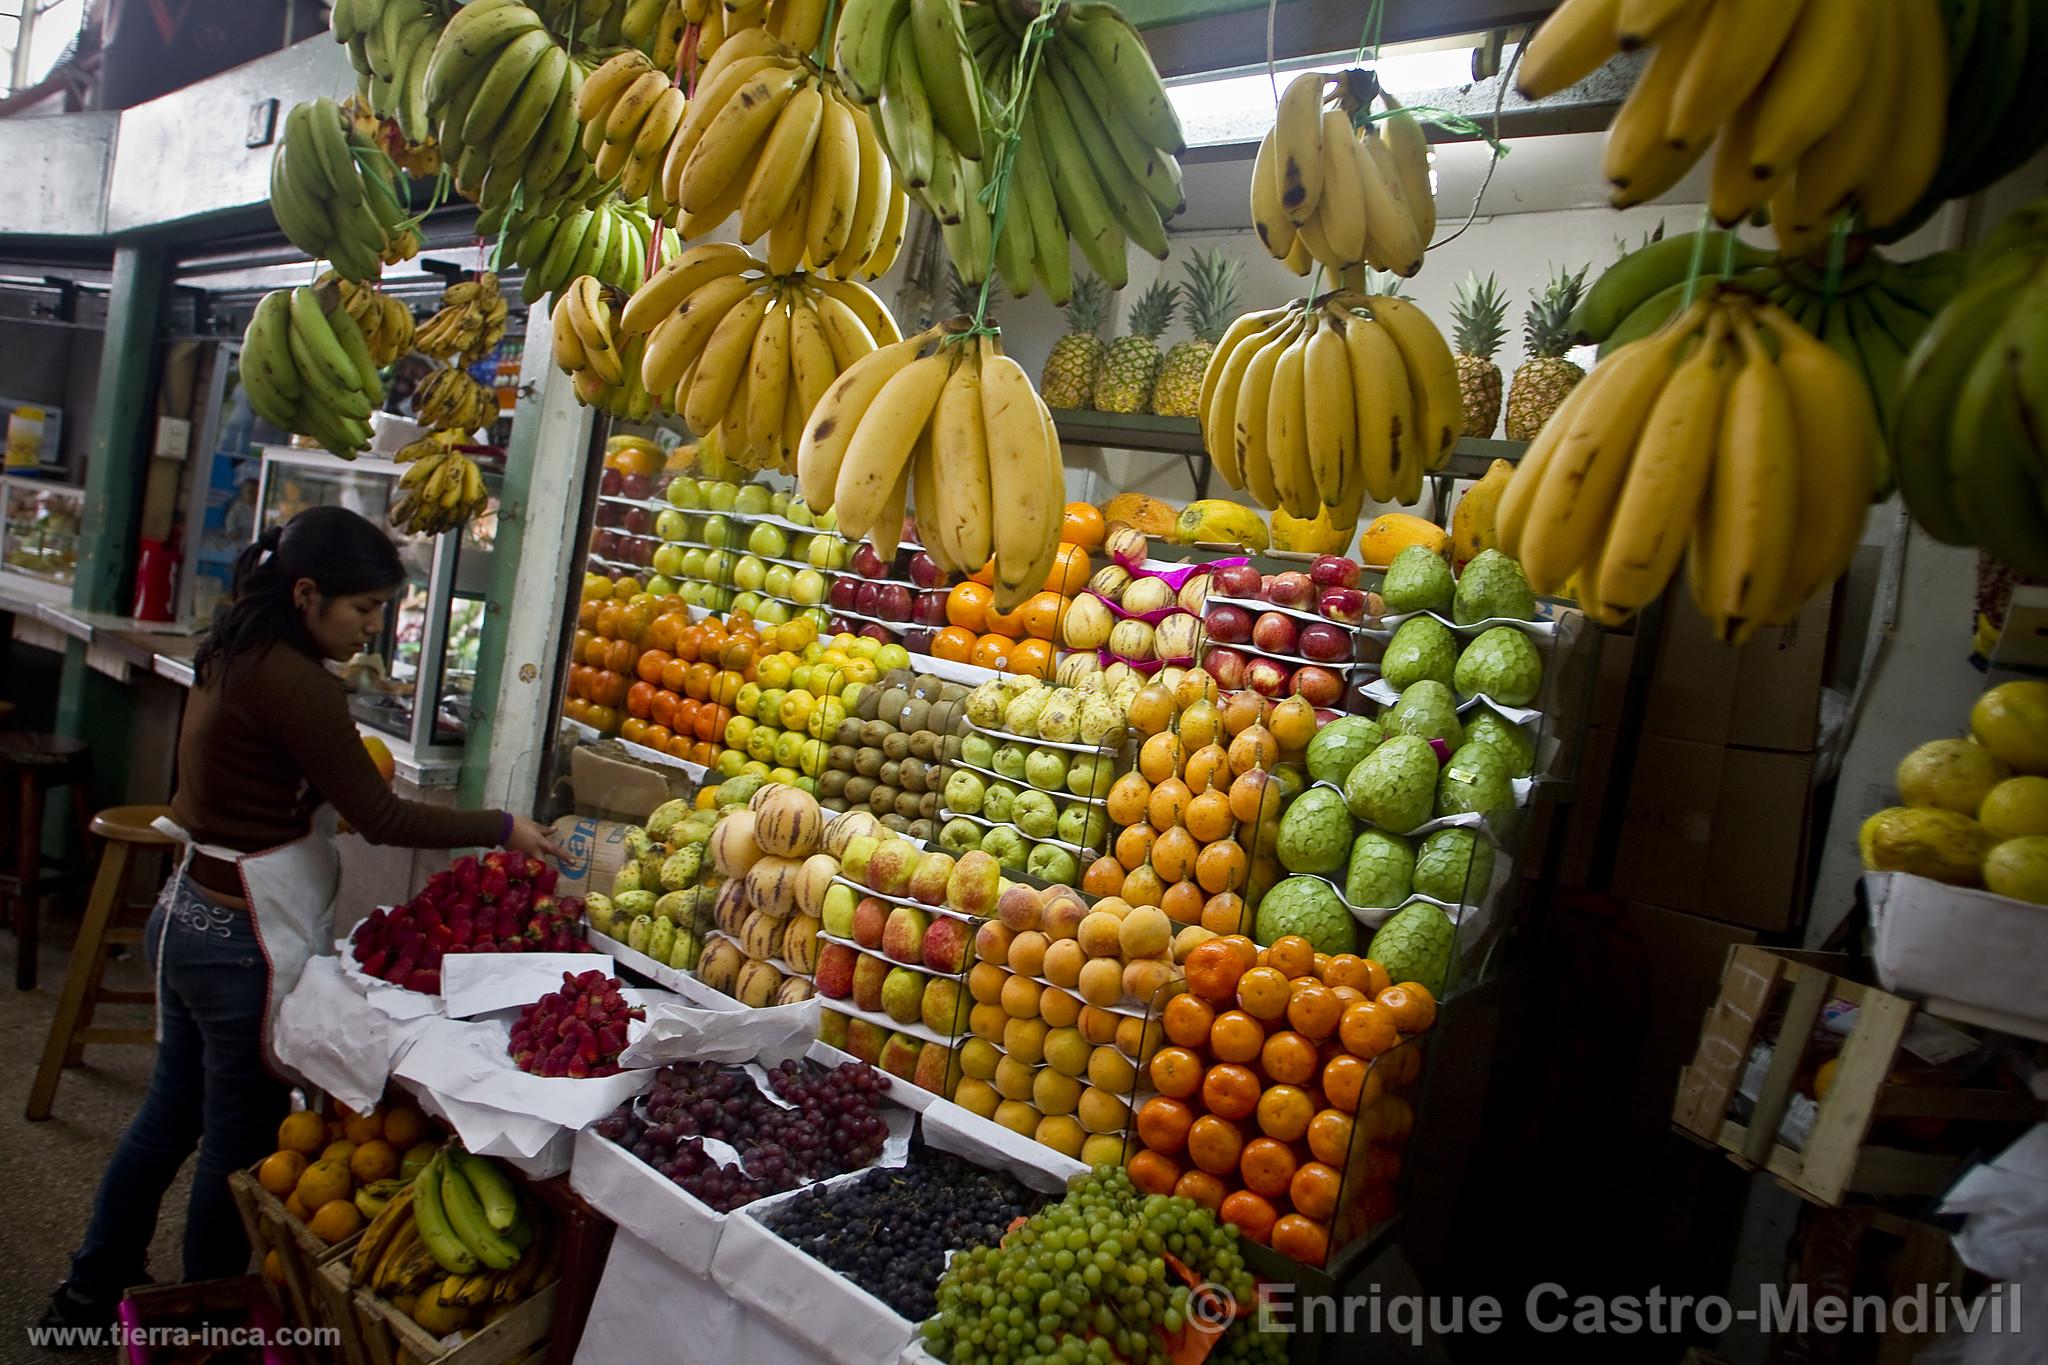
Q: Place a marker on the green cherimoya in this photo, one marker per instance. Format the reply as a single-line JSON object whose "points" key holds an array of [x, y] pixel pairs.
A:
{"points": [[1338, 746], [1475, 780], [1423, 647], [1429, 710], [1492, 588], [1308, 906], [1454, 866], [1381, 871], [1314, 832], [1417, 580], [1394, 786], [1415, 945], [665, 817], [1489, 727], [1502, 664]]}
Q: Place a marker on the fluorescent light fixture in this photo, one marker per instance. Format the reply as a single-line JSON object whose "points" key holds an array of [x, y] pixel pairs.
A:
{"points": [[1240, 106]]}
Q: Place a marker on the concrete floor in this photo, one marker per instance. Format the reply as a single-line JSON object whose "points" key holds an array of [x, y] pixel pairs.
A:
{"points": [[49, 1170]]}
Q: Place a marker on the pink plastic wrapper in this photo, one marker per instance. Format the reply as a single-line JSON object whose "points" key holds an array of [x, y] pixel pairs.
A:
{"points": [[1146, 666]]}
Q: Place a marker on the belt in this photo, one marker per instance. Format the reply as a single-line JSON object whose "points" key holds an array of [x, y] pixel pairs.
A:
{"points": [[221, 878]]}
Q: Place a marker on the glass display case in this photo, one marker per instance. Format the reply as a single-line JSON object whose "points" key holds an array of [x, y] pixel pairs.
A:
{"points": [[39, 537], [415, 683]]}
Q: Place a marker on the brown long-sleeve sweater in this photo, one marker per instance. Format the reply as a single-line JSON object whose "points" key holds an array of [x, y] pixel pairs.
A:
{"points": [[265, 741]]}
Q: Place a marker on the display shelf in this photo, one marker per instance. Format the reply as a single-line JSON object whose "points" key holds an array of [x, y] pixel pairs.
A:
{"points": [[1061, 794], [948, 911], [1076, 849], [1127, 1007], [588, 734], [1071, 746], [1259, 608], [777, 963], [915, 1030]]}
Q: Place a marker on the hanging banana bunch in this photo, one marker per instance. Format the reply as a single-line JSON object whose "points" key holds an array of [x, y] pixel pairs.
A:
{"points": [[501, 95], [1731, 438], [656, 28], [736, 348], [1312, 408], [307, 368], [588, 347], [470, 323], [386, 322], [610, 241], [454, 400], [798, 23], [390, 43], [629, 110], [336, 194], [441, 489], [1813, 107]]}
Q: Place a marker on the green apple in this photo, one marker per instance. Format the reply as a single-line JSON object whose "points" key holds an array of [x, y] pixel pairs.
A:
{"points": [[749, 574], [693, 591], [720, 495], [668, 560], [958, 836], [778, 504], [718, 599], [772, 542], [808, 587], [671, 526], [682, 492], [1083, 825], [892, 656], [819, 553], [771, 612], [819, 619], [1050, 862], [965, 792], [752, 498], [717, 532], [828, 520], [661, 585], [780, 578], [717, 567], [692, 565], [798, 511], [748, 602]]}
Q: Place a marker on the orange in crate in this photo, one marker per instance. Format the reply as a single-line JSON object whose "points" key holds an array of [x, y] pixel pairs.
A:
{"points": [[1186, 1020], [1153, 1172], [1032, 658], [1163, 1124], [1212, 971], [1289, 1058], [1409, 1005], [1250, 1214], [1302, 1239], [1285, 1112], [1267, 1167], [1214, 1144], [992, 651], [1235, 1037], [1203, 1188], [1176, 1071], [1314, 1189], [1366, 1030], [1231, 1091]]}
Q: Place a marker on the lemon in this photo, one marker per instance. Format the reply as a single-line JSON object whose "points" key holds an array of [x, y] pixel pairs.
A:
{"points": [[2016, 806], [2019, 868], [1951, 774], [1940, 844], [2011, 720]]}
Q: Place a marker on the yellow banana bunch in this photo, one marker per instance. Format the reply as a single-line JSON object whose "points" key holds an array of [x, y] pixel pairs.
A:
{"points": [[589, 348], [1312, 408], [451, 400], [629, 111], [470, 323], [738, 348], [1327, 192], [1813, 107], [948, 429], [441, 489], [386, 323], [798, 23], [1755, 461]]}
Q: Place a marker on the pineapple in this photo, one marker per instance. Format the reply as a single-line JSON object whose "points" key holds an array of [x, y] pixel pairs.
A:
{"points": [[1211, 302], [1542, 381], [1068, 380], [1132, 362], [1478, 310]]}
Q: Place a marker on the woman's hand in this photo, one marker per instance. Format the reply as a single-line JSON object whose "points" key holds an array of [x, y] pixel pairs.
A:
{"points": [[532, 839]]}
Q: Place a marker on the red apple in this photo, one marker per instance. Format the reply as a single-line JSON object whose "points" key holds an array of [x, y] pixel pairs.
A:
{"points": [[1275, 633], [636, 486], [893, 602], [918, 639], [882, 633], [1325, 643], [607, 544], [1317, 686], [610, 482], [924, 570], [930, 609], [1295, 590], [844, 594], [643, 550], [841, 625], [1324, 715], [1229, 625], [868, 599], [1227, 666], [1334, 571], [866, 563], [1236, 580], [1265, 677], [1342, 604], [635, 521]]}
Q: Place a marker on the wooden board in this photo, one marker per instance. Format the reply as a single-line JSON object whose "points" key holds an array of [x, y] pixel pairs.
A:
{"points": [[300, 1254]]}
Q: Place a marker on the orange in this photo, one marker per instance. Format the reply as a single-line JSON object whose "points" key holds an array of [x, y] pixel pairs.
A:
{"points": [[373, 1160], [1151, 710], [1033, 659], [1203, 1188], [1314, 1189], [1222, 866], [273, 1267], [280, 1171], [1186, 1020], [992, 651], [1366, 1030], [1208, 815], [1284, 1113], [1329, 1137], [1182, 903], [296, 1207], [1209, 768], [1070, 570], [1409, 1005], [1291, 954], [986, 574], [1288, 1057], [1262, 992], [1153, 1172], [404, 1127], [1104, 877], [967, 606], [649, 667], [1341, 969], [1254, 797], [1302, 1239], [335, 1221], [997, 621], [1231, 1091], [1041, 614], [1176, 1072], [323, 1181], [1247, 951], [1163, 1124], [1214, 1144], [1267, 1165], [1293, 723], [1212, 970], [1376, 979], [1402, 1066], [1174, 851], [1315, 1010], [1222, 913], [955, 643], [1249, 1213], [1082, 525], [1143, 887], [303, 1131], [341, 1149], [1235, 1036], [1160, 757], [1127, 800], [1134, 847]]}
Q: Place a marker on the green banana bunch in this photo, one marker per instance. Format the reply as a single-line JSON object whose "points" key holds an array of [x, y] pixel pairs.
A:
{"points": [[386, 322], [337, 195], [449, 1251], [389, 43], [470, 323], [609, 241], [1608, 312], [307, 368], [1967, 431], [501, 99], [463, 1203], [585, 23], [450, 400]]}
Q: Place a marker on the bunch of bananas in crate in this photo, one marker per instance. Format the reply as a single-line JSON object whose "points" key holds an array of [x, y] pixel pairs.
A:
{"points": [[603, 365], [454, 400], [441, 489], [389, 43], [458, 1240], [336, 194], [307, 368], [386, 322], [1326, 192], [501, 96], [470, 323]]}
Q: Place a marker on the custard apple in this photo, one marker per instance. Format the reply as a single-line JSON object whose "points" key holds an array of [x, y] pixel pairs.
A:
{"points": [[1492, 587], [1423, 647], [1476, 779], [1381, 872], [1415, 945], [1488, 726], [1454, 865], [1308, 906], [1417, 580], [1314, 832], [1503, 665], [1338, 746], [1427, 709], [1394, 786]]}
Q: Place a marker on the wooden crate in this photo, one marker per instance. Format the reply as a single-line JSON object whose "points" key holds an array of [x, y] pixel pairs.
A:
{"points": [[386, 1336], [1838, 1158], [270, 1227]]}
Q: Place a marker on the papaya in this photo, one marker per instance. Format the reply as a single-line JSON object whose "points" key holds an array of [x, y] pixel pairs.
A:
{"points": [[1392, 532], [1214, 520], [1148, 514], [1317, 537], [1472, 528]]}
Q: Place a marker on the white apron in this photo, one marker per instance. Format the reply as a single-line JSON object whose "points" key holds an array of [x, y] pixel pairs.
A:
{"points": [[291, 891]]}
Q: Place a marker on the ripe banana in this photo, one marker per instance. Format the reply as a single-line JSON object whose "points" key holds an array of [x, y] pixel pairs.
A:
{"points": [[469, 324], [1329, 189]]}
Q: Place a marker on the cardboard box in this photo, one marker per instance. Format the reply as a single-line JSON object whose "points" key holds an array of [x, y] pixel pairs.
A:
{"points": [[1717, 831], [1683, 956], [613, 786], [1765, 695]]}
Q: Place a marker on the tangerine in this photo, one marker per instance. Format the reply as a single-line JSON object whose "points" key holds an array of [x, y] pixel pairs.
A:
{"points": [[280, 1171], [1212, 970], [1376, 979], [1409, 1005], [302, 1131], [1203, 1188], [1366, 1030], [1235, 1036], [1249, 1213], [1041, 614], [955, 643], [322, 1182], [1263, 991], [1342, 969], [1267, 1166], [1289, 1058], [1284, 1113], [1314, 1189], [1187, 1018], [1329, 1137], [1247, 951], [1081, 524], [1301, 1239], [1176, 1072], [1214, 1144], [1163, 1124], [1153, 1172], [1315, 1010], [1291, 954], [1231, 1091], [1348, 1081], [335, 1221]]}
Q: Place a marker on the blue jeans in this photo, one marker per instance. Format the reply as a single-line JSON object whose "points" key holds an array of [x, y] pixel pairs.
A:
{"points": [[211, 1090]]}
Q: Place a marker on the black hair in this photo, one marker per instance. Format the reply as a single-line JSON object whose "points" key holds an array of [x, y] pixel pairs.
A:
{"points": [[341, 552]]}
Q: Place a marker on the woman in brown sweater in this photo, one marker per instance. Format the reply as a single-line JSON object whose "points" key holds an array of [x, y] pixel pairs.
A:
{"points": [[266, 740]]}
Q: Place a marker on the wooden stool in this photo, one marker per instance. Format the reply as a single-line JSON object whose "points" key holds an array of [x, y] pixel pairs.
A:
{"points": [[30, 765], [125, 829]]}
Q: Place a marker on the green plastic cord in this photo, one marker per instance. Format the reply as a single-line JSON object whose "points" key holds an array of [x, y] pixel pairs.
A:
{"points": [[1699, 257]]}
